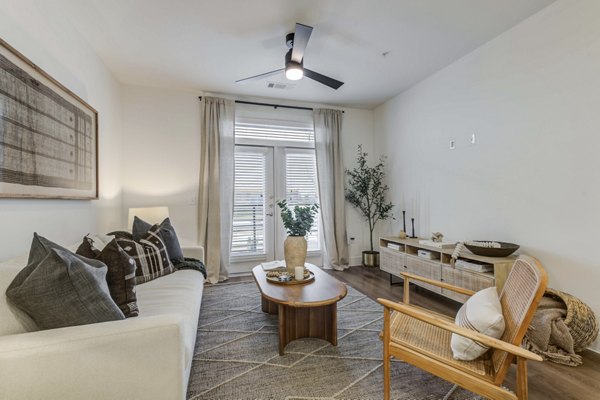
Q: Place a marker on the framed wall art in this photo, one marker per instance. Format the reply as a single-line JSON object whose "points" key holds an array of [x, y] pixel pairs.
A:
{"points": [[48, 135]]}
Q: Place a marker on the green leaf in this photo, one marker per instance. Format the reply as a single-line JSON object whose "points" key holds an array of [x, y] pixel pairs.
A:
{"points": [[300, 221]]}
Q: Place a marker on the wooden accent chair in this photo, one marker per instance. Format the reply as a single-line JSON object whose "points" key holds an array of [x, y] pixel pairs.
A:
{"points": [[422, 338]]}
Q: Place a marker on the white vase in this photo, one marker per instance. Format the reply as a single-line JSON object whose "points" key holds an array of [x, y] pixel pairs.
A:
{"points": [[294, 251]]}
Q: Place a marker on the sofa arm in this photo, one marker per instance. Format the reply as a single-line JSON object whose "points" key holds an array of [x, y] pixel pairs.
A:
{"points": [[139, 358], [196, 252]]}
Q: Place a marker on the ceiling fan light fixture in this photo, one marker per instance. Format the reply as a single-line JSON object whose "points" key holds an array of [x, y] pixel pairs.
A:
{"points": [[294, 71]]}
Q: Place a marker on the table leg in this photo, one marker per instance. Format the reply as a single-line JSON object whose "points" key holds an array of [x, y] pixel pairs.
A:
{"points": [[268, 306], [300, 322], [282, 328]]}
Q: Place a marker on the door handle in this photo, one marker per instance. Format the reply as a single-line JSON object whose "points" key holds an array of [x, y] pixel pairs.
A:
{"points": [[269, 214]]}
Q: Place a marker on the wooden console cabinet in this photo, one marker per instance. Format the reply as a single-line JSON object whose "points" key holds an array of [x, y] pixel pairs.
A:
{"points": [[439, 268]]}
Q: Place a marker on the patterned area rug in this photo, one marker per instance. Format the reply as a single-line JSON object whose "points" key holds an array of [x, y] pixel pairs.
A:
{"points": [[236, 355]]}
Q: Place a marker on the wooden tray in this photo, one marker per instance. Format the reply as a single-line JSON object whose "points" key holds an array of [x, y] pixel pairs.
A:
{"points": [[293, 281]]}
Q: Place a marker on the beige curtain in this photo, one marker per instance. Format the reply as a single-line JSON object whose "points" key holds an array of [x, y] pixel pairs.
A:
{"points": [[215, 197], [330, 173]]}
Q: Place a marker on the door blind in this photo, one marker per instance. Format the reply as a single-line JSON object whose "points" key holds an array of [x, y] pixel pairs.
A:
{"points": [[248, 227], [301, 187]]}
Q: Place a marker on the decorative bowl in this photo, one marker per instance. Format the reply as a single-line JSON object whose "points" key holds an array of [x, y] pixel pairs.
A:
{"points": [[505, 249]]}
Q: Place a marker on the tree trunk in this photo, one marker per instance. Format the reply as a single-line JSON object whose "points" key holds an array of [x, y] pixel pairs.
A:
{"points": [[371, 227]]}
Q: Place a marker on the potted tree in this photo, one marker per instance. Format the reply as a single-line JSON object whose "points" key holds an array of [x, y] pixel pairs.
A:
{"points": [[297, 224], [367, 192]]}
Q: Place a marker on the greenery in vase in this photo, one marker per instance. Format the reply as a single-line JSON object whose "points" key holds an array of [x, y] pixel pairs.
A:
{"points": [[367, 191], [298, 222]]}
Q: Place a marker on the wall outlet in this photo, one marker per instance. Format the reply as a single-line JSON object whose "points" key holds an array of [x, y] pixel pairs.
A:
{"points": [[452, 144]]}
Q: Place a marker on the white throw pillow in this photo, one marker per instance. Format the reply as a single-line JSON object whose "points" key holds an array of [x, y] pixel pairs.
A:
{"points": [[481, 313]]}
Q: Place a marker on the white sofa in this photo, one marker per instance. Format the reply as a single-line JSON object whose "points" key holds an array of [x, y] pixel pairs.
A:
{"points": [[145, 357]]}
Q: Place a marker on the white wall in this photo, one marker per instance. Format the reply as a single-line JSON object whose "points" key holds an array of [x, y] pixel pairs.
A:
{"points": [[531, 96], [37, 30], [162, 154]]}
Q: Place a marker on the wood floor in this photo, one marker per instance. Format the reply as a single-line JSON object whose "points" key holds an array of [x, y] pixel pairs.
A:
{"points": [[546, 380]]}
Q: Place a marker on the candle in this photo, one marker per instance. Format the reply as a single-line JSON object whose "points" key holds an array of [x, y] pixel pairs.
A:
{"points": [[299, 273]]}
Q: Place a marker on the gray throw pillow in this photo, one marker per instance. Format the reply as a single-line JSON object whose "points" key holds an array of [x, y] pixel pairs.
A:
{"points": [[167, 234], [58, 288]]}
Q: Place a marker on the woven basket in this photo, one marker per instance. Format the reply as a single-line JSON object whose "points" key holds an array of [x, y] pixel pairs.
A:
{"points": [[581, 320]]}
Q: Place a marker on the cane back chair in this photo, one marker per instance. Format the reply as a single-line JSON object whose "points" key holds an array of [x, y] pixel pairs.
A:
{"points": [[422, 338]]}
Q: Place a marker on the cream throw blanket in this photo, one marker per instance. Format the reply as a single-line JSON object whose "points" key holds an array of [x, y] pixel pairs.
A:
{"points": [[549, 336]]}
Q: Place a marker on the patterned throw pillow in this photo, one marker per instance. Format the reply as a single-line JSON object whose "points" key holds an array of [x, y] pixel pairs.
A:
{"points": [[167, 234], [481, 313], [120, 276], [150, 255]]}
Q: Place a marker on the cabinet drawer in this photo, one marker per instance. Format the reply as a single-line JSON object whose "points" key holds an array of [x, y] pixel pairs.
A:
{"points": [[391, 261], [425, 268], [465, 279]]}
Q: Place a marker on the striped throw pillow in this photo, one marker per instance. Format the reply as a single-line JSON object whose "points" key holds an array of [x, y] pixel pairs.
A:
{"points": [[481, 313], [150, 255]]}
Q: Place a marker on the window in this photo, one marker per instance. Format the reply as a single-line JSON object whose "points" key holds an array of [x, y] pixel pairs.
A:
{"points": [[248, 225], [301, 186]]}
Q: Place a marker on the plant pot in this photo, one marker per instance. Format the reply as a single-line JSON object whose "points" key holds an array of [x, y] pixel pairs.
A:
{"points": [[294, 251], [370, 259]]}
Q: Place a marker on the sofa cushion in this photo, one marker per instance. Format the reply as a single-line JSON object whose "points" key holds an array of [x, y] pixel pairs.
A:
{"points": [[150, 255], [58, 288], [121, 273], [13, 320], [179, 293], [481, 313], [167, 234]]}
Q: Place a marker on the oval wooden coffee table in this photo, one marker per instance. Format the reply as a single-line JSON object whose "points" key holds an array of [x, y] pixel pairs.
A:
{"points": [[308, 310]]}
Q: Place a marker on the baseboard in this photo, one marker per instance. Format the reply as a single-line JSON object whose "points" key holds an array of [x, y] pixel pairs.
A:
{"points": [[236, 274], [594, 350]]}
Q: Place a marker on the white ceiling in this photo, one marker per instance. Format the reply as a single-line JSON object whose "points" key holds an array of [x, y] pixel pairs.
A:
{"points": [[208, 44]]}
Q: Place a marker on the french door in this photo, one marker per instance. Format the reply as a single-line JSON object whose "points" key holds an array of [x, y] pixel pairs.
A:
{"points": [[264, 175]]}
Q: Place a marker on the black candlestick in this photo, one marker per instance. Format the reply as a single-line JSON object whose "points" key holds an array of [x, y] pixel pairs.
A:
{"points": [[404, 221], [412, 220]]}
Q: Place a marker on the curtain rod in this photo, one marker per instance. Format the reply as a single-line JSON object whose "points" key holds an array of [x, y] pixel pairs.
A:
{"points": [[270, 105]]}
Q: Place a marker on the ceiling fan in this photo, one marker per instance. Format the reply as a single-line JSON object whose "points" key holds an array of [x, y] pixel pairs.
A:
{"points": [[294, 60]]}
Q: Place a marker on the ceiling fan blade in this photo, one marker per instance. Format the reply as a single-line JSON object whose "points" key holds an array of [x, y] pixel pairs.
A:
{"points": [[325, 80], [261, 76], [301, 36]]}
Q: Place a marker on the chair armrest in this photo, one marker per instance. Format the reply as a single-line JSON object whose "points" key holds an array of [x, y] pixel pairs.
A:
{"points": [[468, 333], [444, 285], [196, 252], [141, 357]]}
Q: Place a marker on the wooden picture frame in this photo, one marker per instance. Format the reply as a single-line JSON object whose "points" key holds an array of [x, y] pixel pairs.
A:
{"points": [[48, 134]]}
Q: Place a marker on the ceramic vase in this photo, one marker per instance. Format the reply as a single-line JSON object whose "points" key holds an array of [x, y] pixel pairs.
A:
{"points": [[294, 251]]}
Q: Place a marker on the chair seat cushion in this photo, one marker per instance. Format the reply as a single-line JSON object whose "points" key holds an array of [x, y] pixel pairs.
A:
{"points": [[432, 341]]}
